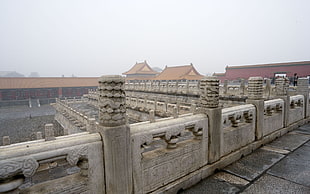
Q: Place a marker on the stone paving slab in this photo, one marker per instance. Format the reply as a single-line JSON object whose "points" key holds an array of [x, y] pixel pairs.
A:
{"points": [[270, 184], [253, 165], [232, 179], [305, 129], [289, 141], [280, 151], [295, 167], [211, 185]]}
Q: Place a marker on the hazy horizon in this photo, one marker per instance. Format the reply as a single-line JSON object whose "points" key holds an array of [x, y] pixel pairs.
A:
{"points": [[93, 38]]}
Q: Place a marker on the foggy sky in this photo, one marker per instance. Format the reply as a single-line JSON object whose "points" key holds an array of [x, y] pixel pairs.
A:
{"points": [[97, 37]]}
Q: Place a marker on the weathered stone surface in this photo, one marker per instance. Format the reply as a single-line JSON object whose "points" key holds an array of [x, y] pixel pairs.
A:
{"points": [[209, 92], [238, 127], [255, 88], [212, 185], [49, 132], [281, 86], [305, 129], [251, 166], [295, 167], [232, 179], [272, 184], [289, 142], [112, 101], [70, 184]]}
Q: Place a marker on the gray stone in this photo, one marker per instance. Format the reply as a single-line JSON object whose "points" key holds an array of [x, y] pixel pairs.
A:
{"points": [[252, 166], [270, 184], [295, 167], [211, 185], [305, 129], [232, 179], [289, 142]]}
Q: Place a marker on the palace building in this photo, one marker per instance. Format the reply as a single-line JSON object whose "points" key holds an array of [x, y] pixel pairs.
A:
{"points": [[302, 69], [20, 88]]}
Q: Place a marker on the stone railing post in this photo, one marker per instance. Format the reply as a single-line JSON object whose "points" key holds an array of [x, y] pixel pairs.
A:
{"points": [[225, 87], [6, 140], [268, 88], [115, 133], [49, 132], [303, 89], [152, 116], [91, 125], [281, 86], [255, 97], [242, 87], [209, 101], [187, 87]]}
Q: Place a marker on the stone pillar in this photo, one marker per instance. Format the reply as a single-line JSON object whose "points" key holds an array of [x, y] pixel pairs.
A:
{"points": [[242, 87], [187, 87], [152, 116], [303, 89], [281, 86], [225, 86], [155, 104], [144, 85], [151, 86], [175, 113], [115, 133], [49, 132], [39, 135], [209, 101], [268, 88], [6, 140], [255, 97], [91, 125]]}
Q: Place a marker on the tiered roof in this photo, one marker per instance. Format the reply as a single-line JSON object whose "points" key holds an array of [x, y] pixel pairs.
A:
{"points": [[142, 69], [185, 72]]}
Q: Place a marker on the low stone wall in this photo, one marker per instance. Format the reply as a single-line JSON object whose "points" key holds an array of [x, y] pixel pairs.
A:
{"points": [[238, 127], [167, 150], [296, 109], [273, 116], [68, 164]]}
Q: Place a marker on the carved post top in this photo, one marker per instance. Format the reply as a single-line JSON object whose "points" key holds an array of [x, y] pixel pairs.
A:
{"points": [[281, 85], [112, 101], [209, 92], [255, 88], [111, 78], [303, 85]]}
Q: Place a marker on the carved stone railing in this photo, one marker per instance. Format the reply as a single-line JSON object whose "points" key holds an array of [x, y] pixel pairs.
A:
{"points": [[238, 126], [174, 87], [273, 116], [65, 164], [167, 150], [71, 120], [296, 109]]}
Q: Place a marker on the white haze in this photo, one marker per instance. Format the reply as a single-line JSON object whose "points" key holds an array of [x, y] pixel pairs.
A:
{"points": [[96, 37]]}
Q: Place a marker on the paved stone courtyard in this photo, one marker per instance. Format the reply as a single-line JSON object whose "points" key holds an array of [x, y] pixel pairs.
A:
{"points": [[282, 166], [22, 122]]}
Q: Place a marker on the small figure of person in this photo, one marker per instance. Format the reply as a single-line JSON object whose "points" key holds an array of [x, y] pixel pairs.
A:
{"points": [[295, 78]]}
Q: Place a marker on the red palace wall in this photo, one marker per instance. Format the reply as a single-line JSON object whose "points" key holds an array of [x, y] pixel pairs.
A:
{"points": [[265, 72]]}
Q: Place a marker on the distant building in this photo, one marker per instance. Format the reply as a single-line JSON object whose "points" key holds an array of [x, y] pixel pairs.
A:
{"points": [[43, 87], [140, 71], [10, 74], [266, 70], [185, 72]]}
